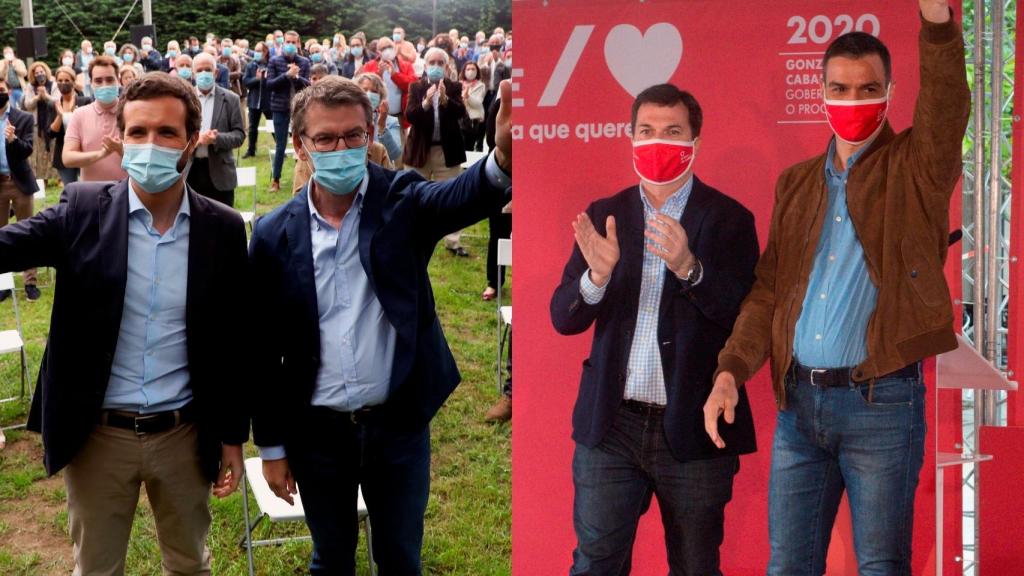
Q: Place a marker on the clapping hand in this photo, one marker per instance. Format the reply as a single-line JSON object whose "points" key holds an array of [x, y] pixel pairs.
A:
{"points": [[600, 252]]}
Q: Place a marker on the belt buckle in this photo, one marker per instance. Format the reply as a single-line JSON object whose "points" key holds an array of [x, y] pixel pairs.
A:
{"points": [[818, 371], [135, 423]]}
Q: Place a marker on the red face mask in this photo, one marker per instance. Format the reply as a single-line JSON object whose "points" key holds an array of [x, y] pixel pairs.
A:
{"points": [[662, 161], [854, 121]]}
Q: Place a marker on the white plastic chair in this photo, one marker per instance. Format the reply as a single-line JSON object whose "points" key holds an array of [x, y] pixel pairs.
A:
{"points": [[40, 196], [277, 510], [13, 341], [504, 312], [247, 179], [472, 157]]}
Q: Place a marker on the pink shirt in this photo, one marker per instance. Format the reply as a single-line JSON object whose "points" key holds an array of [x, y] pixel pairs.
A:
{"points": [[88, 126]]}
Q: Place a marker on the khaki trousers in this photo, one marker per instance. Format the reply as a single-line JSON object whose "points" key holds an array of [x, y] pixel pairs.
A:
{"points": [[103, 483], [434, 169], [11, 196]]}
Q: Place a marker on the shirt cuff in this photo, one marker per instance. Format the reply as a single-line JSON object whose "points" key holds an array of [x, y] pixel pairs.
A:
{"points": [[271, 452], [592, 294], [495, 175]]}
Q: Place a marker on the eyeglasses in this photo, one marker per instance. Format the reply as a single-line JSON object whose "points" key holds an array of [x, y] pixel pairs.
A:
{"points": [[329, 142]]}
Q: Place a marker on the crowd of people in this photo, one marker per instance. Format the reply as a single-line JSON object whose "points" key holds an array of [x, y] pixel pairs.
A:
{"points": [[151, 395], [431, 98]]}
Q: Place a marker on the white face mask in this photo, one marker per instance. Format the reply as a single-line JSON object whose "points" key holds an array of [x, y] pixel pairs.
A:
{"points": [[470, 74]]}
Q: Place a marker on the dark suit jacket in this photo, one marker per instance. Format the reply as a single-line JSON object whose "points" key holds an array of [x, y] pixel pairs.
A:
{"points": [[421, 121], [227, 121], [693, 326], [85, 238], [402, 219], [20, 150]]}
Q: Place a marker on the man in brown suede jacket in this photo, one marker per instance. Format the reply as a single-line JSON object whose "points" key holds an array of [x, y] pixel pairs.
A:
{"points": [[849, 298]]}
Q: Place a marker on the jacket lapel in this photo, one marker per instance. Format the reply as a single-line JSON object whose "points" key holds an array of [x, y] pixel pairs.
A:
{"points": [[199, 260], [218, 106], [300, 261], [113, 252]]}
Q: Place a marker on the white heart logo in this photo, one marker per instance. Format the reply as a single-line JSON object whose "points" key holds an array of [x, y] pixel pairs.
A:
{"points": [[639, 61]]}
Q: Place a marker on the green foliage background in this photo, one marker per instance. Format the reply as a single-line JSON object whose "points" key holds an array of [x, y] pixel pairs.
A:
{"points": [[177, 20]]}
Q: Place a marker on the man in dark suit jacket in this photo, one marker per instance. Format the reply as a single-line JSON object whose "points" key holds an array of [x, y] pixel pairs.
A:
{"points": [[662, 312], [352, 361], [286, 74], [213, 168], [17, 180], [141, 378]]}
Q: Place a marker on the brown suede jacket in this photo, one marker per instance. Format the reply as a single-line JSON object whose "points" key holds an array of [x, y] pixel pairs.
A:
{"points": [[898, 196]]}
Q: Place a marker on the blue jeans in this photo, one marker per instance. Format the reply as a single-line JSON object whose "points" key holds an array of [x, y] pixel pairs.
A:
{"points": [[614, 484], [828, 440], [331, 457], [281, 120]]}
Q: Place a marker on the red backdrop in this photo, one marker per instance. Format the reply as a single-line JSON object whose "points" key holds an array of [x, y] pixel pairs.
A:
{"points": [[753, 66]]}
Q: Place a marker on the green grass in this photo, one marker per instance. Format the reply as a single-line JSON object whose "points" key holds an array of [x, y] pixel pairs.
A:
{"points": [[468, 521]]}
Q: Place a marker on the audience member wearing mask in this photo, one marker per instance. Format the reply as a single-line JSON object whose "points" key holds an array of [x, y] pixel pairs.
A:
{"points": [[183, 68], [258, 98], [398, 76], [93, 141], [286, 75], [357, 56], [434, 147], [15, 73], [62, 108], [473, 93], [386, 128], [173, 51], [316, 56], [36, 100], [221, 131], [129, 56], [84, 55], [148, 57]]}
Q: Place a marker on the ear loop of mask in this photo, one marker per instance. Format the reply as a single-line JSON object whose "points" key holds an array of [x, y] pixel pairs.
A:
{"points": [[188, 163]]}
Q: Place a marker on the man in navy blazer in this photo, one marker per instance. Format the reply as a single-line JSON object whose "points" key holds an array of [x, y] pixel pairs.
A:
{"points": [[660, 270], [141, 380], [352, 363], [17, 180]]}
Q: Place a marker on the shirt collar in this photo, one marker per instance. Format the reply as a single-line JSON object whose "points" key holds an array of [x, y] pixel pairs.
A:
{"points": [[358, 204], [98, 108], [674, 201], [136, 205], [830, 168]]}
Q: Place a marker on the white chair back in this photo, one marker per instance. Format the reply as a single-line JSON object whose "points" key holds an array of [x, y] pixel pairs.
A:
{"points": [[504, 252], [246, 176], [7, 281]]}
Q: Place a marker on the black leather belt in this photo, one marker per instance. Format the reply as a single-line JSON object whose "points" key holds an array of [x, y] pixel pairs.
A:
{"points": [[148, 423], [642, 407], [840, 377], [360, 416]]}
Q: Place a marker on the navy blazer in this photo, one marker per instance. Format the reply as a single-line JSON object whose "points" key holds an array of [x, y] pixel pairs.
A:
{"points": [[693, 325], [20, 151], [403, 217], [281, 86], [85, 238]]}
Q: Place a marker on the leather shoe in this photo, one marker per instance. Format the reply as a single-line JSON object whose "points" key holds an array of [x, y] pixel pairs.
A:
{"points": [[4, 295], [501, 411], [32, 292], [275, 186]]}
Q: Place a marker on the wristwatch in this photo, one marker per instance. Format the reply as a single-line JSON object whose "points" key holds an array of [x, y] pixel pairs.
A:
{"points": [[696, 271]]}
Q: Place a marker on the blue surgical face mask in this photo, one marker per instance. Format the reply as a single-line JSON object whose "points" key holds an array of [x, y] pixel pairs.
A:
{"points": [[204, 80], [172, 53], [357, 51], [154, 168], [109, 50], [290, 49], [105, 94], [396, 37], [435, 73], [316, 57], [340, 171], [257, 55], [185, 73], [374, 99], [128, 57], [226, 51]]}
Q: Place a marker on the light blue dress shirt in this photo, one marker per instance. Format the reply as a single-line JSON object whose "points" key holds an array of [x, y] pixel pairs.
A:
{"points": [[357, 341], [5, 168], [150, 368], [645, 377], [840, 298]]}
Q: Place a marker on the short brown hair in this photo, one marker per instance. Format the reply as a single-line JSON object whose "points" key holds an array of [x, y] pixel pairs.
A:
{"points": [[670, 95], [158, 85], [332, 91], [103, 60]]}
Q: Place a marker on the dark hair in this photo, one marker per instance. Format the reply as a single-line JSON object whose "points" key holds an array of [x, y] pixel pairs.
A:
{"points": [[318, 69], [103, 61], [158, 85], [858, 45], [669, 95]]}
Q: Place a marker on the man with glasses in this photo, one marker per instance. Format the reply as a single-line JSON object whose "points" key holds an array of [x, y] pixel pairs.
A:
{"points": [[92, 142], [352, 364]]}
